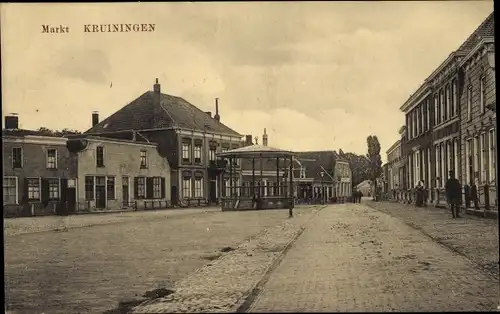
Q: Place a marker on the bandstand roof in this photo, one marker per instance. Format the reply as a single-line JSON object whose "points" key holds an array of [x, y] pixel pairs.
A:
{"points": [[256, 151]]}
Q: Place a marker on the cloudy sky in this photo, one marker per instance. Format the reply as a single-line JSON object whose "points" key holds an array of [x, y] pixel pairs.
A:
{"points": [[319, 75]]}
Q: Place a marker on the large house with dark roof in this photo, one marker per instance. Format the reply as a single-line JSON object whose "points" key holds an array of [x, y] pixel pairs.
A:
{"points": [[188, 137]]}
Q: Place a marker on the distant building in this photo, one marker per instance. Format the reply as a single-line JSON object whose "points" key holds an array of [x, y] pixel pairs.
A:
{"points": [[119, 174], [395, 163], [37, 171], [365, 187], [187, 136]]}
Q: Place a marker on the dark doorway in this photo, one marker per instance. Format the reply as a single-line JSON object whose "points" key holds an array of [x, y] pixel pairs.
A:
{"points": [[174, 194], [70, 199], [125, 192], [213, 192]]}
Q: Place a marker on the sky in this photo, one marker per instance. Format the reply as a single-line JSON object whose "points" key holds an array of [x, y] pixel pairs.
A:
{"points": [[316, 75]]}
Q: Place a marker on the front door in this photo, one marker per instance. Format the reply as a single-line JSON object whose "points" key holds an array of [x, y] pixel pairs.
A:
{"points": [[70, 199], [213, 191], [125, 191], [174, 194], [100, 192]]}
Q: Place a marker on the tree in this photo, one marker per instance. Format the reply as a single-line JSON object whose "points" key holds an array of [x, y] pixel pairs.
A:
{"points": [[359, 166], [375, 161]]}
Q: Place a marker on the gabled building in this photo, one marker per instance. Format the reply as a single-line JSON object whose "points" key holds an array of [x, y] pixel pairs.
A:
{"points": [[38, 172], [188, 137]]}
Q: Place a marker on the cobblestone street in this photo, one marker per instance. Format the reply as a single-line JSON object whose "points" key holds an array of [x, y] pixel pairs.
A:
{"points": [[54, 265], [473, 237], [354, 258]]}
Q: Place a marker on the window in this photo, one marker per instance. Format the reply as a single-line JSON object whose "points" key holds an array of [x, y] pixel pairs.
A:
{"points": [[491, 156], [447, 108], [428, 106], [468, 152], [438, 165], [10, 191], [17, 157], [185, 152], [454, 100], [482, 157], [469, 102], [89, 188], [212, 153], [476, 156], [197, 154], [144, 159], [436, 110], [442, 152], [482, 87], [34, 189], [186, 187], [110, 188], [198, 187], [227, 184], [442, 106], [100, 156], [302, 172], [141, 187], [449, 158], [54, 192], [51, 158], [156, 187], [455, 159], [419, 120]]}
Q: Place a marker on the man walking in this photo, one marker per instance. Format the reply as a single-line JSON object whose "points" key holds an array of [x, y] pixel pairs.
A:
{"points": [[453, 192]]}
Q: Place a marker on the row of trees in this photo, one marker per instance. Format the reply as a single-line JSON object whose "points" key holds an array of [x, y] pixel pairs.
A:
{"points": [[63, 132]]}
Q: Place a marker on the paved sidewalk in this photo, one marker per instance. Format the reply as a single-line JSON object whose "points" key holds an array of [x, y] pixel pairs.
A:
{"points": [[23, 225], [474, 237], [358, 259]]}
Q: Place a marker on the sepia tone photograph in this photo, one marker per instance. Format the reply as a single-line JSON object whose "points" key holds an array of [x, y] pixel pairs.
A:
{"points": [[231, 157]]}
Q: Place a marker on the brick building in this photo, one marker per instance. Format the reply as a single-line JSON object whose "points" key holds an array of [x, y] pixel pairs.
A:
{"points": [[187, 136], [433, 120], [394, 175], [118, 174], [478, 124], [36, 171]]}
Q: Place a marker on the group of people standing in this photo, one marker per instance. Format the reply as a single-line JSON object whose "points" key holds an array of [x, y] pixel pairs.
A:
{"points": [[356, 196]]}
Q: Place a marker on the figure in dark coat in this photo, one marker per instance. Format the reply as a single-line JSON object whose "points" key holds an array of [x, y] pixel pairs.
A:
{"points": [[453, 193]]}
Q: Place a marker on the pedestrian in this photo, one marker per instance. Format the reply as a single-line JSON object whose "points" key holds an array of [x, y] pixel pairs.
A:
{"points": [[360, 195], [290, 208], [467, 195], [474, 196], [453, 193], [419, 194]]}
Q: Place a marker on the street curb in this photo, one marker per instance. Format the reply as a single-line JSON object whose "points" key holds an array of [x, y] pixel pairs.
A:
{"points": [[249, 300], [487, 272]]}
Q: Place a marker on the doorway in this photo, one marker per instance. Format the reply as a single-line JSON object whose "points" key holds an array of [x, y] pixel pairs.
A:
{"points": [[125, 192], [100, 192], [213, 192], [174, 195]]}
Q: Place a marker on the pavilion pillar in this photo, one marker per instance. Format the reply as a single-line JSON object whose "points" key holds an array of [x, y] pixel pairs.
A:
{"points": [[291, 182], [278, 190], [261, 187], [253, 176], [230, 177]]}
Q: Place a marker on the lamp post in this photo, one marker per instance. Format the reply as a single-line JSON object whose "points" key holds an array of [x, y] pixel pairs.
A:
{"points": [[322, 188]]}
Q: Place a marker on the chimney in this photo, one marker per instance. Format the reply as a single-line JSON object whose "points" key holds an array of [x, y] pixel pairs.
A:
{"points": [[95, 118], [248, 140], [12, 121], [209, 113], [264, 138], [216, 116], [156, 87]]}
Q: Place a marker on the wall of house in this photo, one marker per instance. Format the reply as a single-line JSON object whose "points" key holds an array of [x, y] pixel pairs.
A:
{"points": [[477, 167], [121, 159], [34, 165], [343, 171]]}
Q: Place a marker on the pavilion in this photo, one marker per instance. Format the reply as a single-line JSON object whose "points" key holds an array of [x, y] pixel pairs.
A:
{"points": [[251, 193]]}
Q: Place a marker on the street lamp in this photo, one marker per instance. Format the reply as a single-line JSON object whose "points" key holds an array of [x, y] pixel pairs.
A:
{"points": [[322, 173]]}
